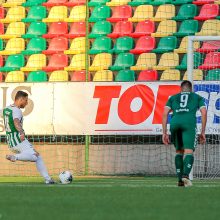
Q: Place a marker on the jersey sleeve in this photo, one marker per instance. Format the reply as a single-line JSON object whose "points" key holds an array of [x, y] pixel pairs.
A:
{"points": [[169, 103], [201, 102], [17, 113]]}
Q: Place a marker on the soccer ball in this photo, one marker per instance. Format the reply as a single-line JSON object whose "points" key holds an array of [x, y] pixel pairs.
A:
{"points": [[66, 177]]}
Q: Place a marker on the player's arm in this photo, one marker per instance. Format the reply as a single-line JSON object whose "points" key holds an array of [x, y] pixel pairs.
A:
{"points": [[204, 120], [19, 128], [165, 137]]}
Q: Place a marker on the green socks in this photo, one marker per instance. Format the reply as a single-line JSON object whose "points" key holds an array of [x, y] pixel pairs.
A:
{"points": [[179, 166], [188, 163]]}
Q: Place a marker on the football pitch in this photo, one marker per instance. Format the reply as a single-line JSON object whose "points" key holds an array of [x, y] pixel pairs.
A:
{"points": [[126, 198]]}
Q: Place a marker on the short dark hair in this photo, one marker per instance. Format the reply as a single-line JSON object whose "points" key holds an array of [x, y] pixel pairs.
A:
{"points": [[20, 94], [186, 84]]}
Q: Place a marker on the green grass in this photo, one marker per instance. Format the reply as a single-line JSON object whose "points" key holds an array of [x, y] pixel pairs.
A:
{"points": [[109, 199]]}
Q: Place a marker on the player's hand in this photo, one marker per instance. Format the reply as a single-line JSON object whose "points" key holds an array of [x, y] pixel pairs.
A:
{"points": [[202, 138], [166, 139], [22, 137]]}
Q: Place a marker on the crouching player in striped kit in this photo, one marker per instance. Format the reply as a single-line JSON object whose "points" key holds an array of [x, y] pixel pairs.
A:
{"points": [[184, 106], [17, 142]]}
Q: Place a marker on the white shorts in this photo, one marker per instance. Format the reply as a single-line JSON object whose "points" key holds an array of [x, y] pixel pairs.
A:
{"points": [[24, 146]]}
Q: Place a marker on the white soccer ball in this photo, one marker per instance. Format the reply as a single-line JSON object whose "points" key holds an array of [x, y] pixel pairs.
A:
{"points": [[66, 177]]}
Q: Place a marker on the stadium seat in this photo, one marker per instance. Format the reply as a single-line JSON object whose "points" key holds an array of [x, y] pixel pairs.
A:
{"points": [[117, 2], [145, 61], [101, 45], [15, 29], [56, 14], [1, 29], [213, 75], [103, 75], [73, 3], [148, 75], [122, 28], [167, 61], [78, 13], [37, 76], [181, 2], [51, 3], [35, 14], [14, 14], [100, 13], [170, 74], [100, 28], [56, 62], [144, 44], [78, 62], [184, 44], [164, 12], [143, 28], [30, 3], [136, 3], [12, 3], [77, 29], [210, 28], [35, 46], [36, 29], [165, 28], [77, 46], [13, 46], [142, 13], [57, 29], [187, 27], [120, 13], [123, 61], [125, 76], [186, 11], [208, 11], [79, 76], [159, 2], [101, 61], [202, 2], [166, 44], [94, 3], [197, 75], [122, 45], [209, 46], [1, 44], [212, 61], [1, 61], [15, 76], [1, 77], [59, 76], [13, 62], [2, 12]]}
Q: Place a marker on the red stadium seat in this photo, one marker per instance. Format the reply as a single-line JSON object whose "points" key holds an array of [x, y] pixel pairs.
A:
{"points": [[208, 11], [56, 29], [144, 44], [209, 46], [72, 3], [143, 28], [148, 75], [122, 28], [2, 12], [51, 3], [57, 45], [202, 2], [120, 13], [212, 61], [2, 31], [78, 29], [1, 61], [56, 62], [79, 76]]}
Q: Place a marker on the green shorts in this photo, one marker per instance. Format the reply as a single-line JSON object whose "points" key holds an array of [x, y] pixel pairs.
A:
{"points": [[183, 136]]}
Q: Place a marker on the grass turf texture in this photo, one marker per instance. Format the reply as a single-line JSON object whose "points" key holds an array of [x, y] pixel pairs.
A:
{"points": [[109, 199]]}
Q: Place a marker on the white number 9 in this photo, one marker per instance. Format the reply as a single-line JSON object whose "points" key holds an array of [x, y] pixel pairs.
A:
{"points": [[183, 100]]}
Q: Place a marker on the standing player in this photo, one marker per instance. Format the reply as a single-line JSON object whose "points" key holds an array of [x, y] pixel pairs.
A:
{"points": [[184, 106], [13, 120]]}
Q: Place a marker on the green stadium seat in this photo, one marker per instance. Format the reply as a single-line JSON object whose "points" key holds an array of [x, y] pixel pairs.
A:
{"points": [[37, 76], [100, 28], [166, 44], [136, 3], [30, 3], [36, 13], [1, 44], [213, 75], [94, 3], [122, 45], [125, 76], [123, 61], [36, 29], [187, 27], [187, 11], [101, 45], [181, 2], [100, 13], [160, 2]]}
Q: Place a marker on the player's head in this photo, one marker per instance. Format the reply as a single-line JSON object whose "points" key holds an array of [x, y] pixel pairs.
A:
{"points": [[21, 99], [186, 86]]}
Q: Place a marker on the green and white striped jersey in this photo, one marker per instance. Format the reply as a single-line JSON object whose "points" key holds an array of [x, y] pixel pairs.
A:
{"points": [[10, 113]]}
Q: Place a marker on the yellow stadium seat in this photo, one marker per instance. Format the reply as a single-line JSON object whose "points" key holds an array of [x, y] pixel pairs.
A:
{"points": [[103, 75], [167, 61], [77, 14], [57, 14], [183, 46], [170, 74], [101, 61], [59, 76], [15, 76], [35, 62], [197, 75], [14, 14], [142, 13], [13, 46], [12, 3], [78, 46], [145, 61], [164, 12], [78, 62], [210, 28], [165, 28], [15, 29], [117, 2]]}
